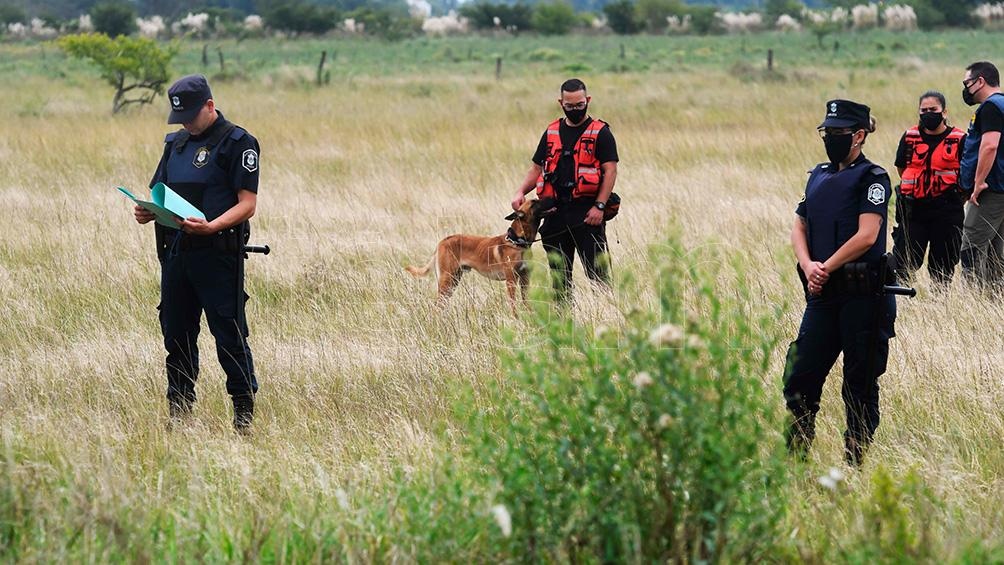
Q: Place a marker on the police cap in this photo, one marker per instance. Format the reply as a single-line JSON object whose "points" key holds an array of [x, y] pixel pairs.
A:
{"points": [[846, 114], [187, 96]]}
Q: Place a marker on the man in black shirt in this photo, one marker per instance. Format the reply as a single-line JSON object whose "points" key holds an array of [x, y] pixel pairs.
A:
{"points": [[982, 174], [575, 163]]}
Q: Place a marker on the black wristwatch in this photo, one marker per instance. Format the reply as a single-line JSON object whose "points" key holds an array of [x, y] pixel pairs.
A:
{"points": [[600, 205]]}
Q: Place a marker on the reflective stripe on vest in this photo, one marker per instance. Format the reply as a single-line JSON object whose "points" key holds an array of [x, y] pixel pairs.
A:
{"points": [[587, 169], [931, 171]]}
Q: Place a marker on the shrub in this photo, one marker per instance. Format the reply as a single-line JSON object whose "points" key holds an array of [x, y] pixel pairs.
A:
{"points": [[113, 18], [485, 15], [622, 17], [300, 16], [554, 18], [654, 443], [654, 13], [10, 14]]}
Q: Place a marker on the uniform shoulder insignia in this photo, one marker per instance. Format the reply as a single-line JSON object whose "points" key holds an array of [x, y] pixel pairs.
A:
{"points": [[237, 133], [878, 171]]}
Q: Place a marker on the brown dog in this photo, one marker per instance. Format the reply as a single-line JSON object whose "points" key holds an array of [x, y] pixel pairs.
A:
{"points": [[498, 258]]}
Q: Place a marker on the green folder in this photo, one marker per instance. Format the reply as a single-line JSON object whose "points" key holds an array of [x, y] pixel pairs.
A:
{"points": [[167, 205]]}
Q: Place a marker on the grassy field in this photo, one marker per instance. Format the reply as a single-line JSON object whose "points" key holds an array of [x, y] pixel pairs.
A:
{"points": [[361, 375]]}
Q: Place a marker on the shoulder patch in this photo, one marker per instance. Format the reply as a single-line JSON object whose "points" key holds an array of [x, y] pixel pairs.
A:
{"points": [[878, 171], [249, 160], [876, 194], [237, 133]]}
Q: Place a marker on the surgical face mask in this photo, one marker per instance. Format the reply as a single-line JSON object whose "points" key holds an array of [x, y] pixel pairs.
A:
{"points": [[838, 147], [932, 120], [968, 97], [577, 115]]}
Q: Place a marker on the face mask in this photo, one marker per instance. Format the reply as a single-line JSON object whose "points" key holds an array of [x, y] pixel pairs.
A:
{"points": [[838, 147], [931, 120], [576, 116], [968, 97]]}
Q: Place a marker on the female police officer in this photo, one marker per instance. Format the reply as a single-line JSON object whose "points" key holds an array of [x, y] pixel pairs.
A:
{"points": [[839, 238]]}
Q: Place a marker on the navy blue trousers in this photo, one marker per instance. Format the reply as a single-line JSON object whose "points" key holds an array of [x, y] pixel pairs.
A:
{"points": [[210, 280], [857, 326]]}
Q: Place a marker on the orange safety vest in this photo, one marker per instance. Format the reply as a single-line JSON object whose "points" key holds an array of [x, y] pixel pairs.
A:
{"points": [[931, 171], [588, 173]]}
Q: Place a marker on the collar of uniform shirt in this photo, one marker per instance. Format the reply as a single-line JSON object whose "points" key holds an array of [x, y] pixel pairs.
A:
{"points": [[220, 120]]}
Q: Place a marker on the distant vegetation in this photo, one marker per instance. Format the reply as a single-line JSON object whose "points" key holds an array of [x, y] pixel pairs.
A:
{"points": [[399, 19]]}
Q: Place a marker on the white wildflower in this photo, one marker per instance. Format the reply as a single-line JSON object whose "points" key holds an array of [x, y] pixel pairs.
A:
{"points": [[832, 479], [451, 23], [152, 27], [675, 24], [84, 24], [900, 17], [253, 22], [864, 16], [733, 22], [787, 23], [666, 335], [503, 519], [664, 422], [642, 380]]}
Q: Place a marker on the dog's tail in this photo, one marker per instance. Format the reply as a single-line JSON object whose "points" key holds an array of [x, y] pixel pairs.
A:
{"points": [[422, 271]]}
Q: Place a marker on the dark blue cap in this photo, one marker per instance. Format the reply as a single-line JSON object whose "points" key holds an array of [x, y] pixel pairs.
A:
{"points": [[846, 114], [187, 96]]}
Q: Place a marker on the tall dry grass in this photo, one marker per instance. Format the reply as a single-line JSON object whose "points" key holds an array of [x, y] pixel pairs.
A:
{"points": [[359, 371]]}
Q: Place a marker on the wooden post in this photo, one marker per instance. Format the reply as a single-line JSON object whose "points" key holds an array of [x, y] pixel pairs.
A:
{"points": [[320, 68], [770, 59], [498, 68], [205, 55], [623, 53], [219, 50]]}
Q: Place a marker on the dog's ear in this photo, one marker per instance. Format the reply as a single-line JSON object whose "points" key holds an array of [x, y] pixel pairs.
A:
{"points": [[512, 216], [545, 207]]}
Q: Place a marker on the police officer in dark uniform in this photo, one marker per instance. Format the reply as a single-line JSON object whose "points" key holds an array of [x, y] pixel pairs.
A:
{"points": [[839, 238], [576, 165], [213, 164]]}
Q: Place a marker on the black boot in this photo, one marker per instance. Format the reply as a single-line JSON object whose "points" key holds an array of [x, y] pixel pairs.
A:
{"points": [[801, 432], [243, 412]]}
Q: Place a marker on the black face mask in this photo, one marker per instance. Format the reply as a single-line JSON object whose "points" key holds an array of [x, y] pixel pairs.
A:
{"points": [[968, 97], [838, 147], [932, 120], [576, 116]]}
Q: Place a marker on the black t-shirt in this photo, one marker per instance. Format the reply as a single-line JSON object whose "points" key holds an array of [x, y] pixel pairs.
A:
{"points": [[606, 148], [903, 152], [242, 158], [989, 118]]}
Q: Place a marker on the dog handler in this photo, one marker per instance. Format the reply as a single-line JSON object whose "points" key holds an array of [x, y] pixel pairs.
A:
{"points": [[213, 164], [929, 202], [576, 164], [840, 228]]}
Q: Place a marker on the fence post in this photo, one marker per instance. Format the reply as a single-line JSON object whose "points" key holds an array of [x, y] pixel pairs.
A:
{"points": [[320, 67], [770, 59], [498, 68]]}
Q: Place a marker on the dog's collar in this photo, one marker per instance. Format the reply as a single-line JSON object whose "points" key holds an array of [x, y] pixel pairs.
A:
{"points": [[516, 240]]}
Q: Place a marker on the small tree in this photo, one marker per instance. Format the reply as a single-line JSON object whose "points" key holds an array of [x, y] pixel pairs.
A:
{"points": [[554, 18], [113, 18], [136, 67], [621, 17], [653, 13]]}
